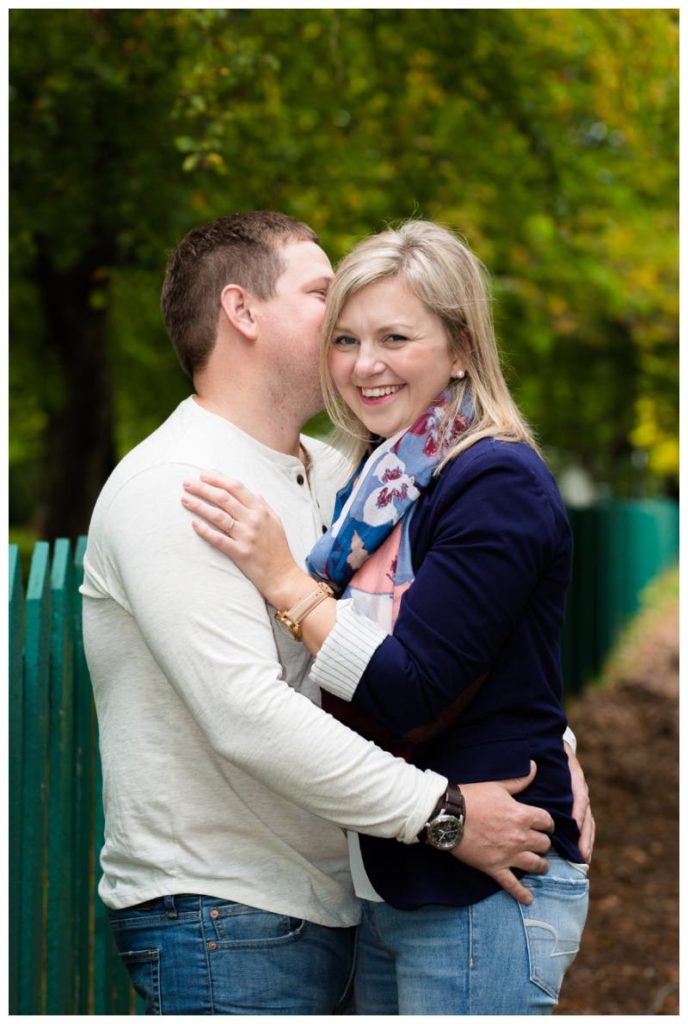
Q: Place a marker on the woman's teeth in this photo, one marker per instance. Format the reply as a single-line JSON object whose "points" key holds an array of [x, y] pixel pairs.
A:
{"points": [[380, 392]]}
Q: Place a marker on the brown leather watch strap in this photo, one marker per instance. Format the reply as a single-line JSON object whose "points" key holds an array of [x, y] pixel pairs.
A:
{"points": [[451, 802]]}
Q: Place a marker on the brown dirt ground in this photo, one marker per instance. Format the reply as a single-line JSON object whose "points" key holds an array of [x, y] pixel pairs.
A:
{"points": [[628, 746]]}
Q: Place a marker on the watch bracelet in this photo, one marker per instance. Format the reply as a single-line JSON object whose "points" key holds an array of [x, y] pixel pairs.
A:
{"points": [[294, 616]]}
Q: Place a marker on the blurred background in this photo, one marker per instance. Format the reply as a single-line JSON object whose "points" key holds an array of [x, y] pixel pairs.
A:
{"points": [[549, 140]]}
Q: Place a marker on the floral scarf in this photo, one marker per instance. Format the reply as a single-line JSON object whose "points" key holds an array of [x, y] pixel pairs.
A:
{"points": [[366, 552]]}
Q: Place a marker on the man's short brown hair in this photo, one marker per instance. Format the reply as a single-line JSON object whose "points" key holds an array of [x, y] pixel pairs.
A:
{"points": [[242, 249]]}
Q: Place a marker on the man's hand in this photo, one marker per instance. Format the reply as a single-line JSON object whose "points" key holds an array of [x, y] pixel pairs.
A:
{"points": [[581, 806], [502, 834]]}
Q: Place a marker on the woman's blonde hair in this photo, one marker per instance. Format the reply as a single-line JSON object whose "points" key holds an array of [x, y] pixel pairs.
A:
{"points": [[451, 282]]}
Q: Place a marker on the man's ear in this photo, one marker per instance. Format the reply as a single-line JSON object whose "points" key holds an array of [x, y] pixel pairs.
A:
{"points": [[236, 305]]}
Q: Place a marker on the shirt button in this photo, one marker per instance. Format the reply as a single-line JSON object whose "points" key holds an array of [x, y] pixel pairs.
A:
{"points": [[212, 946], [300, 478], [214, 913], [324, 528]]}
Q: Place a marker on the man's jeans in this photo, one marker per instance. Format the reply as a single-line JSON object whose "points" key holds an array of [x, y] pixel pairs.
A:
{"points": [[494, 957], [201, 955]]}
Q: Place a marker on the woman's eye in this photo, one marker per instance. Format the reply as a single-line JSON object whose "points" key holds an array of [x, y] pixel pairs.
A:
{"points": [[344, 340], [396, 338]]}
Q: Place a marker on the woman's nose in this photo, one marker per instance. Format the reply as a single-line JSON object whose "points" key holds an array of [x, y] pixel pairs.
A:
{"points": [[368, 360]]}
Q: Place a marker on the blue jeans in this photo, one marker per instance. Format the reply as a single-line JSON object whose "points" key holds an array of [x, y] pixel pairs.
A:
{"points": [[493, 957], [201, 955]]}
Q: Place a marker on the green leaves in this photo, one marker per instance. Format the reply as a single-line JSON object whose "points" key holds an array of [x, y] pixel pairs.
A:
{"points": [[547, 138]]}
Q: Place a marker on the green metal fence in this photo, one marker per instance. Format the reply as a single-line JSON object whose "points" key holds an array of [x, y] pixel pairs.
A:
{"points": [[619, 546], [62, 958]]}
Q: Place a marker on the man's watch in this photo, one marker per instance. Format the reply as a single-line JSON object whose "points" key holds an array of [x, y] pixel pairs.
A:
{"points": [[444, 830]]}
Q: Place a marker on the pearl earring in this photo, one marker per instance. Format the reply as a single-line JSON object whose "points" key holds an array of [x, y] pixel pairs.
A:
{"points": [[459, 376]]}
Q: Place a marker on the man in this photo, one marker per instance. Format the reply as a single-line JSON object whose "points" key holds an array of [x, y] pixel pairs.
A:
{"points": [[226, 787]]}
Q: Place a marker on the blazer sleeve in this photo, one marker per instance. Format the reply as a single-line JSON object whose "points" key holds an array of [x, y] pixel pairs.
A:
{"points": [[494, 532]]}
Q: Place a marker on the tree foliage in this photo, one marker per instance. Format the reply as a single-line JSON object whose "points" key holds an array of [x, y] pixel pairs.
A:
{"points": [[548, 139]]}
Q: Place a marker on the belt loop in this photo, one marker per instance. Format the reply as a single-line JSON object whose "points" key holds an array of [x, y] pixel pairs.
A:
{"points": [[170, 909]]}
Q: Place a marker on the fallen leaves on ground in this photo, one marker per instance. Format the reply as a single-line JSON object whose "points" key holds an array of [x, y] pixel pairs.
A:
{"points": [[628, 744]]}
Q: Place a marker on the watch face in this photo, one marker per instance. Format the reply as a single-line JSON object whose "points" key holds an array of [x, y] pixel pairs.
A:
{"points": [[445, 832]]}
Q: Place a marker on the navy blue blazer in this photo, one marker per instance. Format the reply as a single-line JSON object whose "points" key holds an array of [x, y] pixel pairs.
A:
{"points": [[492, 550]]}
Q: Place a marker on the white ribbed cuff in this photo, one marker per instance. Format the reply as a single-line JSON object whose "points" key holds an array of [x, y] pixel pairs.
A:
{"points": [[344, 657], [570, 738], [435, 787]]}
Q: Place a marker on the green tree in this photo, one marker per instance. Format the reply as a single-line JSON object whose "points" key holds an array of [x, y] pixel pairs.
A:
{"points": [[95, 186], [547, 138]]}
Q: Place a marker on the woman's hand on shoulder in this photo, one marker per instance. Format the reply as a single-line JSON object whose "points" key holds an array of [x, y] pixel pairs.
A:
{"points": [[243, 526]]}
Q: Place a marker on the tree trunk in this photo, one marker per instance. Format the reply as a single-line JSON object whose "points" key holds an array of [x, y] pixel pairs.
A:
{"points": [[80, 451]]}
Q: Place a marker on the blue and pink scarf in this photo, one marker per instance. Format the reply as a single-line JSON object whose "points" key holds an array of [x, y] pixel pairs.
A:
{"points": [[366, 553]]}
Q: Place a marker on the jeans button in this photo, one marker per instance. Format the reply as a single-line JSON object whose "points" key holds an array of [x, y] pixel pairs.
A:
{"points": [[214, 913], [212, 946]]}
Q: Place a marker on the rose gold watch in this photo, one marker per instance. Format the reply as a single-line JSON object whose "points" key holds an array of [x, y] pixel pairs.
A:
{"points": [[294, 616]]}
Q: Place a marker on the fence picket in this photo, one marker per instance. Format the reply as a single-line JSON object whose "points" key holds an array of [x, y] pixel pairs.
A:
{"points": [[30, 939], [15, 649], [60, 919], [101, 972], [85, 796], [112, 989]]}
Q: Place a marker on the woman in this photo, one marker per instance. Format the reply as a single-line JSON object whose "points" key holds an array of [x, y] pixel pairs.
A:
{"points": [[450, 554]]}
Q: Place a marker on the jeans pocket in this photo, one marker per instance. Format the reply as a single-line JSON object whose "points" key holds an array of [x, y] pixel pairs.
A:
{"points": [[238, 926], [143, 966], [554, 923]]}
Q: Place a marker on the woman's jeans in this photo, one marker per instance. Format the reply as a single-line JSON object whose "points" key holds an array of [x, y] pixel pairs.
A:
{"points": [[494, 957], [201, 955]]}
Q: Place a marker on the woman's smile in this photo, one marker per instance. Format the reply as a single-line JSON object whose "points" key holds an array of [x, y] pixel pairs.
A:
{"points": [[380, 395], [384, 331]]}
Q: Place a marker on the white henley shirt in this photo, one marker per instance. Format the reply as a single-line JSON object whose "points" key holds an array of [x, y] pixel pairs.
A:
{"points": [[221, 775]]}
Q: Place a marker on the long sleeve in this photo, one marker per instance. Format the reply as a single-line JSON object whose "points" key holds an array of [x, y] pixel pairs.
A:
{"points": [[495, 533], [347, 650], [213, 640]]}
